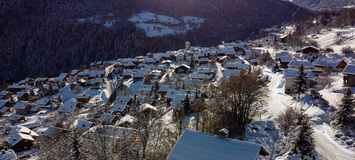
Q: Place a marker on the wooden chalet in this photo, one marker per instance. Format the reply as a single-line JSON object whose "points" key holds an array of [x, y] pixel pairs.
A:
{"points": [[284, 61], [349, 75], [83, 98], [182, 69], [5, 94], [20, 142], [22, 108], [310, 50], [15, 118]]}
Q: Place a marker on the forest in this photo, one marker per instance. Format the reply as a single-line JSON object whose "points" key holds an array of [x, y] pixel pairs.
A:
{"points": [[46, 38]]}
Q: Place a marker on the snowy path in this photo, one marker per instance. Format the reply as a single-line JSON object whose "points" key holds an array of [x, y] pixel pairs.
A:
{"points": [[219, 72], [326, 147], [275, 106]]}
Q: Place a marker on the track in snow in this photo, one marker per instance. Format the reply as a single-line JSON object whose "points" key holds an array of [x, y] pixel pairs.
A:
{"points": [[326, 147]]}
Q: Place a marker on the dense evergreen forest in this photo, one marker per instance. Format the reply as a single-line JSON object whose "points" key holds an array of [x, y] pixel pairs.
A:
{"points": [[45, 38]]}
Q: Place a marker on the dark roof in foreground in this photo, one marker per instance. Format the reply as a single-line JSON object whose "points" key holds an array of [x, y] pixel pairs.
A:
{"points": [[194, 145]]}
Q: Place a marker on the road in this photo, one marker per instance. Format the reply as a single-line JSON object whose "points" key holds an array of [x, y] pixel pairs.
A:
{"points": [[326, 147]]}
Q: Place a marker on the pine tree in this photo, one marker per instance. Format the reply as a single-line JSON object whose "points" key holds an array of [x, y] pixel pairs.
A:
{"points": [[75, 145], [304, 143], [300, 85], [187, 105], [344, 115]]}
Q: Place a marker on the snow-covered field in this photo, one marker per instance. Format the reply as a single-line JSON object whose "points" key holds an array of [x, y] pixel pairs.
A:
{"points": [[327, 38], [159, 25], [106, 20]]}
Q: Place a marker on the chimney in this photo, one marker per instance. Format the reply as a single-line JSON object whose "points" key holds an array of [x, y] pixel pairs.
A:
{"points": [[224, 133]]}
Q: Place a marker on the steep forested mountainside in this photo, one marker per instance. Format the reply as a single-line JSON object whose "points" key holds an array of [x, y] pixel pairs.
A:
{"points": [[325, 5], [47, 37]]}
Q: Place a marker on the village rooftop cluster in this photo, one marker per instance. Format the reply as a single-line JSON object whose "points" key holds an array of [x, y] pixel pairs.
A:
{"points": [[156, 79]]}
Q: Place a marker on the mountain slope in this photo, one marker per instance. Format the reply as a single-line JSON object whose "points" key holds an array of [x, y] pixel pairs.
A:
{"points": [[47, 37], [325, 5]]}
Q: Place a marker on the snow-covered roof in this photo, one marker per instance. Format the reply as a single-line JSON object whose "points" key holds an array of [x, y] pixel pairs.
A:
{"points": [[277, 55], [230, 72], [145, 106], [23, 130], [8, 155], [4, 109], [14, 139], [3, 93], [127, 118], [42, 101], [306, 64], [349, 69], [119, 107], [20, 94], [20, 129], [197, 145], [15, 117], [68, 107], [166, 88], [2, 103], [20, 105], [180, 54], [32, 124], [73, 72], [286, 59], [292, 73], [161, 66], [183, 65], [123, 100], [34, 108], [325, 61], [52, 131], [310, 47], [192, 81], [63, 75], [203, 70], [200, 76], [107, 117], [236, 65], [84, 125]]}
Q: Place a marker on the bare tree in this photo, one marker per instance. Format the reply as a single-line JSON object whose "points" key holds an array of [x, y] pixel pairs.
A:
{"points": [[144, 124], [237, 101]]}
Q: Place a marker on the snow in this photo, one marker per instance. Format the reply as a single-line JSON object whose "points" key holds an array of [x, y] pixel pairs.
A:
{"points": [[197, 145], [127, 118], [84, 125], [106, 20], [156, 25], [292, 73], [15, 138], [349, 69], [327, 38], [278, 102]]}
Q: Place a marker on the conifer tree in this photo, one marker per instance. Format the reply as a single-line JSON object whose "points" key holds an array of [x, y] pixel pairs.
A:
{"points": [[344, 115], [304, 143], [76, 154], [300, 85], [186, 105]]}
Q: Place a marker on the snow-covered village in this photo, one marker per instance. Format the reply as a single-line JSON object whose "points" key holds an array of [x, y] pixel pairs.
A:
{"points": [[266, 98]]}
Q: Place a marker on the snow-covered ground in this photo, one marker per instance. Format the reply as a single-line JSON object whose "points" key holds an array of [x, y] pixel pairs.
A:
{"points": [[327, 38], [156, 25], [106, 20], [326, 146]]}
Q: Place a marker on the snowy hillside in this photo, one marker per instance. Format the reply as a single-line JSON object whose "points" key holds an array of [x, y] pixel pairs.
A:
{"points": [[327, 38], [323, 5], [156, 25]]}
